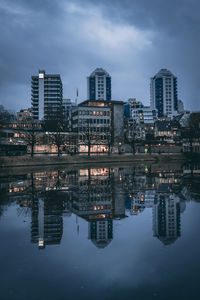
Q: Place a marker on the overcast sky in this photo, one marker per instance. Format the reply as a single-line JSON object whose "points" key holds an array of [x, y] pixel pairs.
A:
{"points": [[131, 39]]}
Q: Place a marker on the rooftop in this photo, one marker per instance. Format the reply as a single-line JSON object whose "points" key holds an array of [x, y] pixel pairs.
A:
{"points": [[162, 125], [100, 72], [163, 73]]}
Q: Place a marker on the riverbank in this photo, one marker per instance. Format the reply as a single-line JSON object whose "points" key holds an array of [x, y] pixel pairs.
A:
{"points": [[25, 161]]}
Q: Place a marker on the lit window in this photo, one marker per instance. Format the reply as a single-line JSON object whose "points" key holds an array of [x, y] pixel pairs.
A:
{"points": [[41, 75]]}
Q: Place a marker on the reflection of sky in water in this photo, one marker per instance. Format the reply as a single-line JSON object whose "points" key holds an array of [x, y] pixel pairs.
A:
{"points": [[129, 212]]}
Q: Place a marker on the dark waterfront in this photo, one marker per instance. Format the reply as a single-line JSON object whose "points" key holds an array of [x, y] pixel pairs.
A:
{"points": [[101, 233]]}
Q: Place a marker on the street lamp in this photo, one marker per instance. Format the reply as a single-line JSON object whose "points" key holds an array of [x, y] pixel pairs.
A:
{"points": [[159, 148], [119, 147]]}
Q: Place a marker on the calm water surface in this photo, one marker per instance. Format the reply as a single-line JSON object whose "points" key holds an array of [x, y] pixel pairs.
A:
{"points": [[100, 233]]}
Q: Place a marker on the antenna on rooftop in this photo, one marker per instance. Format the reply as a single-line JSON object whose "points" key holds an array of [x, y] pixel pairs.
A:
{"points": [[76, 96]]}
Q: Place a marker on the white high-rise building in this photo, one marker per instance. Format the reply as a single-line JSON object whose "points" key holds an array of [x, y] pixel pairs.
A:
{"points": [[100, 232], [46, 95], [99, 85], [163, 93], [166, 218]]}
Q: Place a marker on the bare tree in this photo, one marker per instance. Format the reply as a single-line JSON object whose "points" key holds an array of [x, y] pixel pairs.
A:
{"points": [[57, 137], [56, 126], [191, 133], [109, 143], [30, 133], [149, 140], [89, 137], [5, 115]]}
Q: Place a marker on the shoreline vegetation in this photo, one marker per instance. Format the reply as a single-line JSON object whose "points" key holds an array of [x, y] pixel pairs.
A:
{"points": [[26, 161]]}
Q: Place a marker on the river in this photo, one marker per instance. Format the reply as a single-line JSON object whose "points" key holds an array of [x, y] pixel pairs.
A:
{"points": [[125, 232]]}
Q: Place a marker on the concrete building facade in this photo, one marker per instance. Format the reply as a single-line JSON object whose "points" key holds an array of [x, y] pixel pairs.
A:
{"points": [[100, 121]]}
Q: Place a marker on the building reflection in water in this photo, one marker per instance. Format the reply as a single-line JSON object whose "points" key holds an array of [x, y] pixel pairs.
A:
{"points": [[47, 222], [100, 197], [100, 232], [166, 218], [95, 199]]}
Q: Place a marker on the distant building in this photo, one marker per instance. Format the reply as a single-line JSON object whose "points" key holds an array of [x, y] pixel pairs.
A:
{"points": [[99, 85], [130, 106], [139, 120], [145, 115], [46, 95], [138, 112], [25, 115], [67, 108], [180, 107], [163, 93]]}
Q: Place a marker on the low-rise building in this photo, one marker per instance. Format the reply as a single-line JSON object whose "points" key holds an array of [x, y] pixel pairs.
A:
{"points": [[130, 106], [99, 125], [165, 131], [25, 115]]}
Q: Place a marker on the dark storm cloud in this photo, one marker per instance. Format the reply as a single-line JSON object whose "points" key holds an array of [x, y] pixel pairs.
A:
{"points": [[176, 25], [131, 39], [174, 17]]}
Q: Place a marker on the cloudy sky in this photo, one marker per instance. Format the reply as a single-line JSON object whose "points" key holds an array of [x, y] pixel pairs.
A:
{"points": [[131, 39]]}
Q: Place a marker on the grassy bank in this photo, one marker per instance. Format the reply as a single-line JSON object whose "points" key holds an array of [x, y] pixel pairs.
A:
{"points": [[22, 161]]}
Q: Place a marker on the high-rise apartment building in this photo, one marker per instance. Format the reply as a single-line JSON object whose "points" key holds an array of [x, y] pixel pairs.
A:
{"points": [[163, 93], [46, 95], [47, 222], [99, 85], [100, 232]]}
